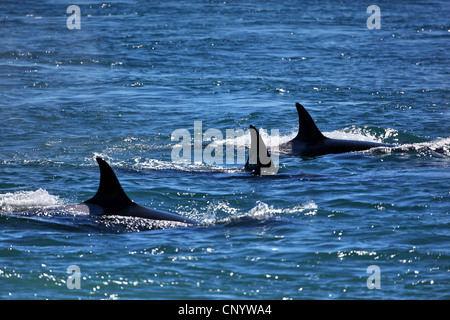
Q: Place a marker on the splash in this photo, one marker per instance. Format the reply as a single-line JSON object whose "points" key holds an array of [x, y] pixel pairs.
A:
{"points": [[362, 134], [154, 164], [26, 200], [437, 148], [441, 146], [261, 211], [264, 211], [244, 141]]}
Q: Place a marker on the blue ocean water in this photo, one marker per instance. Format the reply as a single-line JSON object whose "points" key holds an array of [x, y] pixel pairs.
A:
{"points": [[136, 71]]}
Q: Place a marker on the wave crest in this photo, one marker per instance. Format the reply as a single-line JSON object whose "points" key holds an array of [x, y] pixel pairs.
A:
{"points": [[27, 200], [261, 211]]}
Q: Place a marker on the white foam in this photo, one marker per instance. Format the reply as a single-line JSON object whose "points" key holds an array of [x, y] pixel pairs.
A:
{"points": [[187, 166], [26, 200], [261, 211], [360, 134], [270, 138], [441, 145]]}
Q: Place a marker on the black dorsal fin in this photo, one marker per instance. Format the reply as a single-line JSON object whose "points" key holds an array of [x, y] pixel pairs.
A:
{"points": [[110, 194], [259, 160], [307, 130]]}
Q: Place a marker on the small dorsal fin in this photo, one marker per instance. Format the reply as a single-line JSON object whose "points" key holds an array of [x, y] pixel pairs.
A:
{"points": [[258, 155], [110, 194], [307, 130]]}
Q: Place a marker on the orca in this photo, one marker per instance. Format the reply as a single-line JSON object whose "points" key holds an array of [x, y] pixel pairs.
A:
{"points": [[259, 161], [110, 200], [310, 142]]}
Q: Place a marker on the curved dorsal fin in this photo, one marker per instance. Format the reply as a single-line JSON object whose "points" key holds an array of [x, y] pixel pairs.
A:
{"points": [[259, 155], [307, 128], [110, 194]]}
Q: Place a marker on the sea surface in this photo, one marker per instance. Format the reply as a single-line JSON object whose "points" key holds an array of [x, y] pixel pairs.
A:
{"points": [[119, 80]]}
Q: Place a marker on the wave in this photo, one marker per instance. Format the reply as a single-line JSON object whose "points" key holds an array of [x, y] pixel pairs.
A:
{"points": [[154, 164], [439, 147], [21, 201], [223, 213], [366, 133]]}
